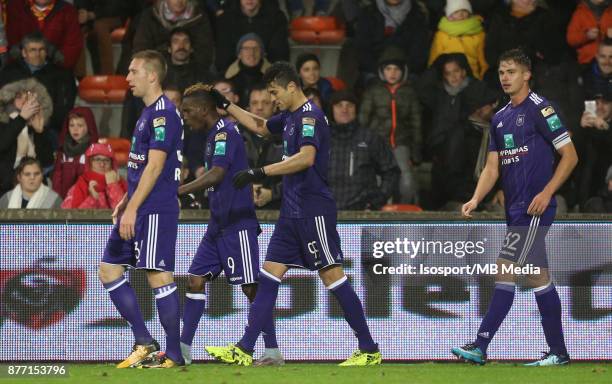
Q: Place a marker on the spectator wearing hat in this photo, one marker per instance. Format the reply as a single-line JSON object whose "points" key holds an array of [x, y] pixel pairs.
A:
{"points": [[30, 192], [590, 24], [250, 66], [359, 157], [100, 186], [461, 31], [309, 69], [391, 108]]}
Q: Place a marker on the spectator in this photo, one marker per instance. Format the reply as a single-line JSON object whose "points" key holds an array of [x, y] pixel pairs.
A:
{"points": [[314, 95], [183, 70], [173, 93], [257, 16], [602, 203], [78, 133], [3, 42], [25, 108], [57, 20], [299, 8], [250, 66], [157, 22], [590, 23], [59, 82], [309, 69], [596, 138], [401, 23], [359, 157], [30, 192], [598, 76], [461, 31], [100, 186], [390, 107]]}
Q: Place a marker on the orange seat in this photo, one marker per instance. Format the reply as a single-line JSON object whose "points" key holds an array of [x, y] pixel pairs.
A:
{"points": [[336, 83], [402, 208], [120, 146], [103, 89], [118, 34], [317, 30]]}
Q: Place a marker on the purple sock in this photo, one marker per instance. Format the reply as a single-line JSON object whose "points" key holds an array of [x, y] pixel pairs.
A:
{"points": [[269, 333], [501, 302], [192, 313], [353, 313], [166, 298], [260, 312], [550, 309], [124, 299]]}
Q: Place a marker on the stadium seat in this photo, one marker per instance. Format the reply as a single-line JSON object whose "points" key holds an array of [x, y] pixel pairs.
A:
{"points": [[121, 148], [118, 34], [402, 208], [103, 89], [336, 83], [317, 30]]}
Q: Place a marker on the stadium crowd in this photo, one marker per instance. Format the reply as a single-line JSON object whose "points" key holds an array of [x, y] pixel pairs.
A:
{"points": [[410, 126]]}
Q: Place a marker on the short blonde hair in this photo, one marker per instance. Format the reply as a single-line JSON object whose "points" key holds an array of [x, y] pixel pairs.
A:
{"points": [[153, 62]]}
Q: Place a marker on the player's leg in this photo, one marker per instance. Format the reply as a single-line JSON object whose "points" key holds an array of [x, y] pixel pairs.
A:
{"points": [[195, 303], [111, 272]]}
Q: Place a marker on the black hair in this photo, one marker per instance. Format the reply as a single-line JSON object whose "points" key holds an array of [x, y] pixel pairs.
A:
{"points": [[282, 73], [305, 57], [34, 37], [517, 55], [259, 86], [180, 30], [200, 93]]}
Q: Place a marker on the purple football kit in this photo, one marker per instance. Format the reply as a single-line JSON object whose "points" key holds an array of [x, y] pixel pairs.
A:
{"points": [[526, 137], [230, 243], [160, 127]]}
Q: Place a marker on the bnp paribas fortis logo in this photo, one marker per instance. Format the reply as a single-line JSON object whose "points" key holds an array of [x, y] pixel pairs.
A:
{"points": [[133, 144], [508, 141]]}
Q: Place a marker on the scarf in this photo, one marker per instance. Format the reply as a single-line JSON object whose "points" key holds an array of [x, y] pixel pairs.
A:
{"points": [[36, 201], [40, 13], [454, 91], [76, 148], [469, 26], [167, 14], [394, 16]]}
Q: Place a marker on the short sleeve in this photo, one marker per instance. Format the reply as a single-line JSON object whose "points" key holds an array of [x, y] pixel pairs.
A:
{"points": [[275, 124], [311, 129], [223, 148], [492, 142], [549, 125], [166, 129]]}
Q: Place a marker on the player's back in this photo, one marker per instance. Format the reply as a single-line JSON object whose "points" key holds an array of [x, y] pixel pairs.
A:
{"points": [[159, 127], [231, 209]]}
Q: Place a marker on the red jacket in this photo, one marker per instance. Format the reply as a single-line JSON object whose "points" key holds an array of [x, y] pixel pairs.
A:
{"points": [[582, 20], [109, 195], [68, 169], [61, 28]]}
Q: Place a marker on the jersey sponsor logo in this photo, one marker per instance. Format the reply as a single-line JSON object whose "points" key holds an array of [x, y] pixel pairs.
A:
{"points": [[221, 136], [554, 123], [133, 146], [308, 130], [520, 120], [308, 121], [547, 111], [220, 148], [508, 141], [160, 121], [160, 133]]}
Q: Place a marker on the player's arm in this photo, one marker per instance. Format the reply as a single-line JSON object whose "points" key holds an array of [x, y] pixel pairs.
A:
{"points": [[210, 178], [252, 122], [486, 182], [150, 174], [569, 159]]}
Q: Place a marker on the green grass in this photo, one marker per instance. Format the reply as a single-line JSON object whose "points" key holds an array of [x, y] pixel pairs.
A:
{"points": [[446, 373]]}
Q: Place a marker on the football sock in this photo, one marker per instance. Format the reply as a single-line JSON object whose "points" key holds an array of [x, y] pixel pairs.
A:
{"points": [[192, 313], [166, 298], [501, 302], [124, 299], [353, 313], [260, 312], [269, 332], [550, 310]]}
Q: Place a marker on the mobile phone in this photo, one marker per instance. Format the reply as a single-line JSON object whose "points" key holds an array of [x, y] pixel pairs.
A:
{"points": [[590, 106]]}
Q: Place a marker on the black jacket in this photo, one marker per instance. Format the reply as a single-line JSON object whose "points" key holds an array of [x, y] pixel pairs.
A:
{"points": [[182, 76], [111, 8], [358, 155]]}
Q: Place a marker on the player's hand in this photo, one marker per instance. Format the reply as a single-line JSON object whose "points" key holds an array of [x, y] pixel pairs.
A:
{"points": [[263, 196], [220, 100], [468, 207], [118, 211], [539, 204], [247, 176], [127, 224]]}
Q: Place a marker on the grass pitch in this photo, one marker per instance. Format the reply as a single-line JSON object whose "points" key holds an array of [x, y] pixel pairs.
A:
{"points": [[443, 373]]}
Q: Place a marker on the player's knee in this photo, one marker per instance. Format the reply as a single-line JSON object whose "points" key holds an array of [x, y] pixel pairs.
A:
{"points": [[331, 274], [108, 273], [249, 290], [538, 280], [196, 284]]}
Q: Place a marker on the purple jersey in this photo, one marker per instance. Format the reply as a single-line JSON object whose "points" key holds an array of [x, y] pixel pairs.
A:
{"points": [[160, 127], [526, 137], [306, 193], [231, 209]]}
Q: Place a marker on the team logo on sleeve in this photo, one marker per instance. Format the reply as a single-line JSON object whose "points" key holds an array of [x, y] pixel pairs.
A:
{"points": [[508, 141], [547, 111], [554, 123], [158, 122], [308, 126], [160, 133], [220, 148], [221, 136]]}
